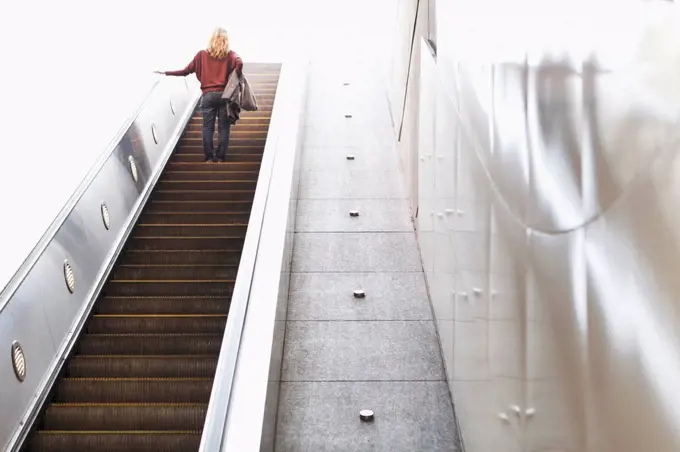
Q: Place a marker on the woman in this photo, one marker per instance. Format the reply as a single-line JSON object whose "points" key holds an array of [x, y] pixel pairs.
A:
{"points": [[212, 68]]}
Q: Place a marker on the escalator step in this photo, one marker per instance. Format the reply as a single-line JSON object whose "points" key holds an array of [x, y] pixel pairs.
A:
{"points": [[216, 174], [224, 167], [233, 209], [150, 344], [223, 194], [162, 305], [244, 126], [231, 157], [160, 272], [246, 123], [181, 257], [105, 417], [184, 288], [186, 218], [133, 390], [157, 366], [189, 147], [233, 141], [157, 324], [135, 441], [263, 112], [254, 127], [190, 230], [224, 242], [205, 184]]}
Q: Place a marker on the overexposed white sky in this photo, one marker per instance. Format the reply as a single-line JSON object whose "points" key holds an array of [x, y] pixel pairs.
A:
{"points": [[72, 71]]}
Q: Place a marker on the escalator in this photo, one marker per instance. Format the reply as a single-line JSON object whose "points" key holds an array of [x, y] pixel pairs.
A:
{"points": [[140, 375]]}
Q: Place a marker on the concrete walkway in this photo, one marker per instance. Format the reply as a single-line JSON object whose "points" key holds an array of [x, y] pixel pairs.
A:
{"points": [[344, 354]]}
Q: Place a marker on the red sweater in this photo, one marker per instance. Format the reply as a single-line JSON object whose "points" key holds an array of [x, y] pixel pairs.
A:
{"points": [[212, 73]]}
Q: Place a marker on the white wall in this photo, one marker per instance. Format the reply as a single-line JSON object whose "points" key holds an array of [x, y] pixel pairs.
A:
{"points": [[73, 71], [406, 89], [535, 356]]}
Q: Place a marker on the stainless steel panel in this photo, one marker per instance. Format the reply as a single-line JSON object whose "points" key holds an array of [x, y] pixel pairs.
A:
{"points": [[553, 281], [509, 161], [38, 309], [556, 335], [633, 315]]}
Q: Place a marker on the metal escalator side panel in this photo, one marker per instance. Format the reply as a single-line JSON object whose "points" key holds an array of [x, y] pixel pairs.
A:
{"points": [[44, 314], [141, 373]]}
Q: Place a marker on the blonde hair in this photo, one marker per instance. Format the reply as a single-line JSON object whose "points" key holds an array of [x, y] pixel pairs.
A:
{"points": [[219, 44]]}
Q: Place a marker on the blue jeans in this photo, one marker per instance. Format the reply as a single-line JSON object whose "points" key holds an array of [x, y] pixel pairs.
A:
{"points": [[213, 107]]}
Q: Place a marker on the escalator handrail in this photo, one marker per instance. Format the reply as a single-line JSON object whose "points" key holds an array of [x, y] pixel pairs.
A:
{"points": [[17, 279], [218, 406]]}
